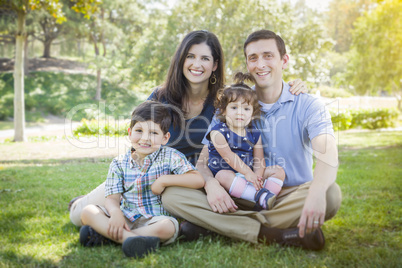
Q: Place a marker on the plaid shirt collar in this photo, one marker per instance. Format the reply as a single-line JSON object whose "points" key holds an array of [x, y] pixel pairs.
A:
{"points": [[147, 160]]}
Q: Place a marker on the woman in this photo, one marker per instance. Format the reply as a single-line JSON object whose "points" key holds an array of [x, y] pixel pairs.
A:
{"points": [[195, 74]]}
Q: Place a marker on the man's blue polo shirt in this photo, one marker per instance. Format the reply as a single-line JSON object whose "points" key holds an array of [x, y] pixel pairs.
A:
{"points": [[287, 130]]}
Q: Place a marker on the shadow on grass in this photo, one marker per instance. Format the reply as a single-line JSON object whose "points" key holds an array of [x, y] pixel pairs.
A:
{"points": [[53, 162], [11, 258]]}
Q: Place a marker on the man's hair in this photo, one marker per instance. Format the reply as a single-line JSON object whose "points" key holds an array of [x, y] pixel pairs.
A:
{"points": [[152, 111], [266, 35], [234, 92]]}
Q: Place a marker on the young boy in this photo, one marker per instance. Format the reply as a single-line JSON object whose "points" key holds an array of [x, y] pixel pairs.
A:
{"points": [[133, 214]]}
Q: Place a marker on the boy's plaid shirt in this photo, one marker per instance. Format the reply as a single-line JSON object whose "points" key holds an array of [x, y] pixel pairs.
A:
{"points": [[134, 182]]}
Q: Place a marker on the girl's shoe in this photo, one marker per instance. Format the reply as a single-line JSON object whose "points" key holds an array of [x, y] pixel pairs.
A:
{"points": [[269, 199]]}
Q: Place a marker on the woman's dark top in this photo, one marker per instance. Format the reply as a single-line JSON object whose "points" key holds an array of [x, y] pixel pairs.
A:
{"points": [[188, 139]]}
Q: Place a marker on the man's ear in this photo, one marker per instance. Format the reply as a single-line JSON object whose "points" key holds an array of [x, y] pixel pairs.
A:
{"points": [[285, 61], [166, 138]]}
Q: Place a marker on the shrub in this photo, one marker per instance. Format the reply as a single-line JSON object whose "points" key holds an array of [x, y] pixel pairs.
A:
{"points": [[364, 118], [330, 92], [103, 127]]}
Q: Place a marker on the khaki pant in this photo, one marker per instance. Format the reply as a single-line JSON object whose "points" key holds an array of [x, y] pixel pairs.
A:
{"points": [[192, 205], [95, 197]]}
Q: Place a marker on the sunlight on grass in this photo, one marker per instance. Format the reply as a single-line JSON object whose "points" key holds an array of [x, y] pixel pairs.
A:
{"points": [[366, 232]]}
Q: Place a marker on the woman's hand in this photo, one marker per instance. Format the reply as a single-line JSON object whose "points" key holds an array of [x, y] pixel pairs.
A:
{"points": [[218, 198], [298, 86], [158, 186]]}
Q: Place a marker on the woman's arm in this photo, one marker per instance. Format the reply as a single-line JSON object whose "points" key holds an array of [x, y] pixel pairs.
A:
{"points": [[191, 179], [218, 198], [234, 160], [298, 86], [258, 158]]}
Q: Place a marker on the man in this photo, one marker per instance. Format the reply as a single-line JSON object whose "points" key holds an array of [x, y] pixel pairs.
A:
{"points": [[293, 127]]}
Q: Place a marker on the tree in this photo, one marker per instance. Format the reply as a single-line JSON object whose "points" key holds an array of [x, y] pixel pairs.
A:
{"points": [[375, 62], [116, 23], [49, 31], [232, 21], [21, 8], [340, 18]]}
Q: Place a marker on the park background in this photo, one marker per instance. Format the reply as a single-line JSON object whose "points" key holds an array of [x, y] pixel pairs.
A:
{"points": [[88, 63]]}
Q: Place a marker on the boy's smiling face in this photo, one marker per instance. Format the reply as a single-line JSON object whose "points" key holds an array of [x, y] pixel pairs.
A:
{"points": [[147, 137]]}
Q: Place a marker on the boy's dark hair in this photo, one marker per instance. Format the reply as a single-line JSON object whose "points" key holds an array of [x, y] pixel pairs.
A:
{"points": [[235, 91], [152, 111], [266, 35]]}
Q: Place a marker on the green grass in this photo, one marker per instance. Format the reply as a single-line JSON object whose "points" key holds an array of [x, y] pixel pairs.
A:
{"points": [[36, 231]]}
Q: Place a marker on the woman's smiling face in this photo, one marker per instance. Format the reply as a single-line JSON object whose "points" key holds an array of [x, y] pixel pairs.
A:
{"points": [[199, 64]]}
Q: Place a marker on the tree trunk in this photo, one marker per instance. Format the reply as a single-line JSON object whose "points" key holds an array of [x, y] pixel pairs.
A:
{"points": [[26, 58], [98, 70], [98, 85], [47, 44], [19, 105]]}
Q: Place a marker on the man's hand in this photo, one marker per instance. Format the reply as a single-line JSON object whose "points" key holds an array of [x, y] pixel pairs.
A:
{"points": [[313, 214], [219, 200], [326, 153]]}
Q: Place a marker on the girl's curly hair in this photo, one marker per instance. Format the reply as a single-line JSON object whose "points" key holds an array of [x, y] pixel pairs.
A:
{"points": [[235, 91]]}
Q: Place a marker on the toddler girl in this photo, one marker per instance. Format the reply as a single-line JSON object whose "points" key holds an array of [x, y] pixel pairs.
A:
{"points": [[236, 156]]}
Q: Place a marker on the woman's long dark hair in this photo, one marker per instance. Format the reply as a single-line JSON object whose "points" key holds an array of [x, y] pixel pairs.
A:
{"points": [[176, 87]]}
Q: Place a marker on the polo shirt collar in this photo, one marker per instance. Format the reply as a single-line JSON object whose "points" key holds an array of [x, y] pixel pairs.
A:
{"points": [[286, 95]]}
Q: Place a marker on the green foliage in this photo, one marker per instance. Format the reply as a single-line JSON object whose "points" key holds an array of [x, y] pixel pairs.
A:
{"points": [[232, 21], [66, 95], [375, 62], [340, 18], [103, 127], [330, 92], [364, 118]]}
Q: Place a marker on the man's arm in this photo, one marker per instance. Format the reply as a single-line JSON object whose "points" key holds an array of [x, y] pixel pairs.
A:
{"points": [[326, 154], [218, 198], [259, 160]]}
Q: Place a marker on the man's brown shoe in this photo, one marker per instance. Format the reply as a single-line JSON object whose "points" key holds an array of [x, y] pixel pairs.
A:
{"points": [[312, 241], [190, 232]]}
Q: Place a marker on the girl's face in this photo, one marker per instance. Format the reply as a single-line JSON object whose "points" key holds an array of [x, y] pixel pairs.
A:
{"points": [[238, 114], [199, 64]]}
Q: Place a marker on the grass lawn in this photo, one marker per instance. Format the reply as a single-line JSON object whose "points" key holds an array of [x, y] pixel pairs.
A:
{"points": [[36, 231]]}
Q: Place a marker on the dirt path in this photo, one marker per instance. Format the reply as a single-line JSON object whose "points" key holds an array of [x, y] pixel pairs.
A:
{"points": [[55, 141]]}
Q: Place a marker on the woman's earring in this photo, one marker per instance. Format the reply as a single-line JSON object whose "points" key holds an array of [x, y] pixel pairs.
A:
{"points": [[212, 80]]}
